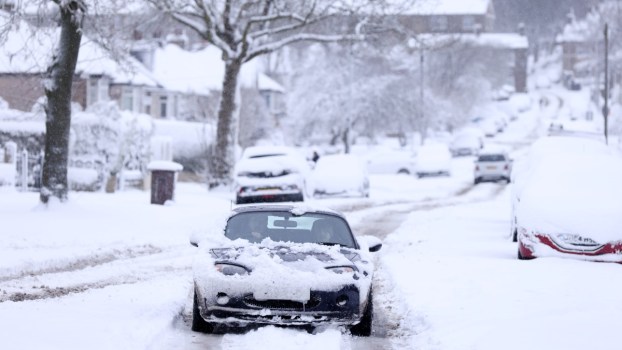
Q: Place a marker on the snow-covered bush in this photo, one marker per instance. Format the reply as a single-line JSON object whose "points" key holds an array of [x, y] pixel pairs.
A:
{"points": [[83, 179], [116, 140], [190, 142], [97, 134], [137, 130]]}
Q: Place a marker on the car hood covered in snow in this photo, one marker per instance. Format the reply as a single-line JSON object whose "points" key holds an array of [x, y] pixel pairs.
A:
{"points": [[305, 257]]}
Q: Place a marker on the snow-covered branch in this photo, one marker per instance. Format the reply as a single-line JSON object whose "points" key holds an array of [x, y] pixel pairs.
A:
{"points": [[273, 46]]}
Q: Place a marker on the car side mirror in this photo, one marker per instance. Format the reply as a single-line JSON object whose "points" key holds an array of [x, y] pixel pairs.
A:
{"points": [[373, 243], [195, 239]]}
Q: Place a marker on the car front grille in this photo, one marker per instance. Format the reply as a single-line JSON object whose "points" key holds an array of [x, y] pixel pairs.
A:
{"points": [[290, 305]]}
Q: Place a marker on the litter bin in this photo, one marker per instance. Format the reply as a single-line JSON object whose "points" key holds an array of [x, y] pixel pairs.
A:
{"points": [[163, 176]]}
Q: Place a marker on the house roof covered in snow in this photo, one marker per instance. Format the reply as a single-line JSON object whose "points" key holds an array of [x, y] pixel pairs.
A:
{"points": [[494, 40], [29, 50], [445, 7], [200, 71]]}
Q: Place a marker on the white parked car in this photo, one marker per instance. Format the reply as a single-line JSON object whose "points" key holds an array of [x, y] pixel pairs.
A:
{"points": [[467, 142], [489, 127], [270, 174], [391, 162], [433, 160], [340, 175]]}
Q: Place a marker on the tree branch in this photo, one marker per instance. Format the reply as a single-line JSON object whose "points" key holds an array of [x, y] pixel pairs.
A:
{"points": [[273, 46]]}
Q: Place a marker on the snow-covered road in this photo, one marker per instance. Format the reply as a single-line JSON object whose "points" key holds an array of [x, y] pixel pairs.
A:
{"points": [[113, 272]]}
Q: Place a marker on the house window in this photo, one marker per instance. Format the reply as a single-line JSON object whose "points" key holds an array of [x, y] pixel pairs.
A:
{"points": [[267, 100], [438, 23], [468, 23], [163, 102], [147, 103], [127, 99], [93, 93], [103, 87]]}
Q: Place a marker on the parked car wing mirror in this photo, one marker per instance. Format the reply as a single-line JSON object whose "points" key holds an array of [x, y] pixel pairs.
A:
{"points": [[373, 243], [195, 239]]}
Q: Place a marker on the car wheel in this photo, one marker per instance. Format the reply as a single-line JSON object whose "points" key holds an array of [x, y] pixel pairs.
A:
{"points": [[477, 181], [515, 236], [363, 329], [198, 323], [403, 171]]}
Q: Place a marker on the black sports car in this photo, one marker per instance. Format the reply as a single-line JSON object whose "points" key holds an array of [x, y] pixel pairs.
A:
{"points": [[285, 265]]}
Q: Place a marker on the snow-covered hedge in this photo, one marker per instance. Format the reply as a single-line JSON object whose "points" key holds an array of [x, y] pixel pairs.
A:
{"points": [[103, 140], [190, 141]]}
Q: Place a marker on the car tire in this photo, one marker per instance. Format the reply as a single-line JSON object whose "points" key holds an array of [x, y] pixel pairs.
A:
{"points": [[403, 171], [477, 181], [198, 323], [515, 236], [363, 328]]}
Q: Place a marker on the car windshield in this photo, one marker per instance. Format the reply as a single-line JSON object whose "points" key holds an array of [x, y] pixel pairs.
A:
{"points": [[491, 158], [287, 227]]}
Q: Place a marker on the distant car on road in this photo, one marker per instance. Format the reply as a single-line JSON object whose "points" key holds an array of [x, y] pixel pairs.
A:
{"points": [[270, 174], [340, 175], [492, 165], [284, 265]]}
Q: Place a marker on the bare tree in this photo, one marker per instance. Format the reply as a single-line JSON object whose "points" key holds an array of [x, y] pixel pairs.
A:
{"points": [[243, 30], [59, 79]]}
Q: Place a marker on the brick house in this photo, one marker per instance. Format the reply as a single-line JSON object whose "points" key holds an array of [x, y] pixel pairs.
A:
{"points": [[470, 22], [449, 16]]}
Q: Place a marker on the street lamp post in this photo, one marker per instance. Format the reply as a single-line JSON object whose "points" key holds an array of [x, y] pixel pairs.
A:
{"points": [[606, 90], [421, 115]]}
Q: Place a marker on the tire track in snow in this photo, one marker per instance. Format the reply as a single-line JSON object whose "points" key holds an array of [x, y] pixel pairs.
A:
{"points": [[96, 259], [391, 329], [96, 274]]}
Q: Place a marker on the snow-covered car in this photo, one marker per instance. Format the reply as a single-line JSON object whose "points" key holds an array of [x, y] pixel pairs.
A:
{"points": [[492, 165], [567, 210], [543, 151], [433, 160], [562, 209], [391, 162], [284, 265], [270, 174], [467, 142], [489, 127], [340, 175]]}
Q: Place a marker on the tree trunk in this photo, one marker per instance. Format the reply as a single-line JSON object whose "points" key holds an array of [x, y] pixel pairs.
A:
{"points": [[345, 138], [223, 158], [58, 82]]}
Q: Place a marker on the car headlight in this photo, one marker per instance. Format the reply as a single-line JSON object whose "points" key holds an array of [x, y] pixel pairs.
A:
{"points": [[342, 269], [231, 269]]}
